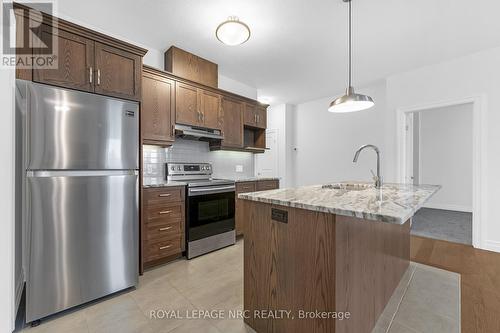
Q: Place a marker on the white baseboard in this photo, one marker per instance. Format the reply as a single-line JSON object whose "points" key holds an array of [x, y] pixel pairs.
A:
{"points": [[491, 246], [456, 208]]}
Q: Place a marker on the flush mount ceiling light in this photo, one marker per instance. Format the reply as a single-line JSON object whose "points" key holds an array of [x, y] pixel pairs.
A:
{"points": [[233, 31], [351, 101]]}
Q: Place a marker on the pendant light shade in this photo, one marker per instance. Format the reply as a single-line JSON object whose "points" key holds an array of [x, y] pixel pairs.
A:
{"points": [[350, 102]]}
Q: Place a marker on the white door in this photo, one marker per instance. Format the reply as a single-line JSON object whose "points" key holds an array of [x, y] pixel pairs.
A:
{"points": [[266, 164]]}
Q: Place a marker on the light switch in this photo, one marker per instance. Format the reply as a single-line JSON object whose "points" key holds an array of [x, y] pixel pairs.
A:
{"points": [[239, 168]]}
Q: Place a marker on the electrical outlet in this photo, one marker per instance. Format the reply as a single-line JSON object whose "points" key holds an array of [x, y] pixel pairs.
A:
{"points": [[239, 168]]}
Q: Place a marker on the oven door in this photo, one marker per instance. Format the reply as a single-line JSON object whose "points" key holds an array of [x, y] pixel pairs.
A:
{"points": [[210, 212]]}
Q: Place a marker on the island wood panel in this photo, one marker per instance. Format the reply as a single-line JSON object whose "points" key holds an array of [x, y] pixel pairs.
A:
{"points": [[371, 258], [288, 266], [320, 262]]}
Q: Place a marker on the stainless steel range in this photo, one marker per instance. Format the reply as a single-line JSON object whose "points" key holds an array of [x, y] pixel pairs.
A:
{"points": [[210, 207]]}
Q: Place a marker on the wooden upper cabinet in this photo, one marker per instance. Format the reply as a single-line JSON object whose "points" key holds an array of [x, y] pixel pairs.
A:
{"points": [[232, 129], [189, 66], [75, 61], [210, 107], [186, 105], [118, 73], [86, 60], [261, 113], [255, 115], [157, 109], [249, 118]]}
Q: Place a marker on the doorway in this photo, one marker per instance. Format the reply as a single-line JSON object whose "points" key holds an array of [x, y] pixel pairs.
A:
{"points": [[440, 145], [267, 164]]}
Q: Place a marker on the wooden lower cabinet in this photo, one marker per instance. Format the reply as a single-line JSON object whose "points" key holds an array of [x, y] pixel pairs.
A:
{"points": [[246, 187], [163, 225]]}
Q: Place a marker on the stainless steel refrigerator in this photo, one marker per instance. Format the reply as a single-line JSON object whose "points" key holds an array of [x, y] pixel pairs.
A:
{"points": [[79, 156]]}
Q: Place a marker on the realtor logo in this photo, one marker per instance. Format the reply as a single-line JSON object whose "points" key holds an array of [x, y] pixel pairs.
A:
{"points": [[28, 40]]}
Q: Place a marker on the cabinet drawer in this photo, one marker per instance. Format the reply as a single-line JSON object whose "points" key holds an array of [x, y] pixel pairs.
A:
{"points": [[164, 247], [165, 212], [264, 185], [162, 229], [163, 195], [245, 187]]}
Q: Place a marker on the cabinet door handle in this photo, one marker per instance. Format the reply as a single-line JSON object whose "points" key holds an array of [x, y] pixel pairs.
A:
{"points": [[165, 212], [98, 77], [91, 74], [172, 130], [165, 247], [165, 229], [164, 195]]}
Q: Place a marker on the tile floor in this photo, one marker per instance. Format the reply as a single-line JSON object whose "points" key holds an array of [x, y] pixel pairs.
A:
{"points": [[427, 300], [443, 224]]}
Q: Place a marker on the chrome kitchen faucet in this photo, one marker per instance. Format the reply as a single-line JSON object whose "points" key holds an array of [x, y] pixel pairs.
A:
{"points": [[376, 178]]}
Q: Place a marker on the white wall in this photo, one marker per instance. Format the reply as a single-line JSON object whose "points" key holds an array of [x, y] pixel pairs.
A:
{"points": [[446, 155], [280, 119], [7, 287], [326, 142], [476, 75]]}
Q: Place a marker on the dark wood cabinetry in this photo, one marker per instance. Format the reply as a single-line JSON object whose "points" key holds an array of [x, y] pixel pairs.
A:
{"points": [[86, 60], [261, 113], [75, 61], [157, 108], [197, 107], [191, 67], [210, 108], [232, 128], [117, 73], [246, 187], [163, 225], [255, 116], [186, 105]]}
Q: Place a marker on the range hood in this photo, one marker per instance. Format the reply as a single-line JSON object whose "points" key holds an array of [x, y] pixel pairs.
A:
{"points": [[197, 133]]}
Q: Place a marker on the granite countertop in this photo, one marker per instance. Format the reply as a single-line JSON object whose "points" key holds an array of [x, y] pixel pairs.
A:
{"points": [[393, 203], [164, 184]]}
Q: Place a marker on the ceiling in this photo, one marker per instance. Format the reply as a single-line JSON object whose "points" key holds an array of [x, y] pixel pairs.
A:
{"points": [[297, 51]]}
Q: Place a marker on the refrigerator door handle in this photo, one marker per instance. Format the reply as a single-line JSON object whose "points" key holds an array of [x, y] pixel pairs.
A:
{"points": [[80, 173]]}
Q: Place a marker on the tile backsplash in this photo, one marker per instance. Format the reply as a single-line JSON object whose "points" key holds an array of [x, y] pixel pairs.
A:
{"points": [[225, 163]]}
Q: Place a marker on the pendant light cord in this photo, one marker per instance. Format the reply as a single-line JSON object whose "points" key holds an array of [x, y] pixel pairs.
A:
{"points": [[349, 38]]}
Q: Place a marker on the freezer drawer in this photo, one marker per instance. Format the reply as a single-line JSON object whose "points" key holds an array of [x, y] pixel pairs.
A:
{"points": [[69, 129], [84, 238]]}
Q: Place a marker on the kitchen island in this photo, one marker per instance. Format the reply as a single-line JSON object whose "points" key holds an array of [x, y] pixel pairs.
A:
{"points": [[325, 258]]}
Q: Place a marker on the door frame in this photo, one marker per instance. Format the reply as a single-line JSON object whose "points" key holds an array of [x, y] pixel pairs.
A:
{"points": [[256, 161], [478, 155]]}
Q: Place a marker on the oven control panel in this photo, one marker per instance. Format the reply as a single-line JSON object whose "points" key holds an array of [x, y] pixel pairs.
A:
{"points": [[186, 169]]}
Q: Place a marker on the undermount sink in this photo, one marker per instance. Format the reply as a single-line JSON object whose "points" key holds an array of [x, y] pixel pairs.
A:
{"points": [[349, 186]]}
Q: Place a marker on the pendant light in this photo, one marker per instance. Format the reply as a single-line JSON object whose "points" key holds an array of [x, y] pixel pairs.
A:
{"points": [[351, 101]]}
